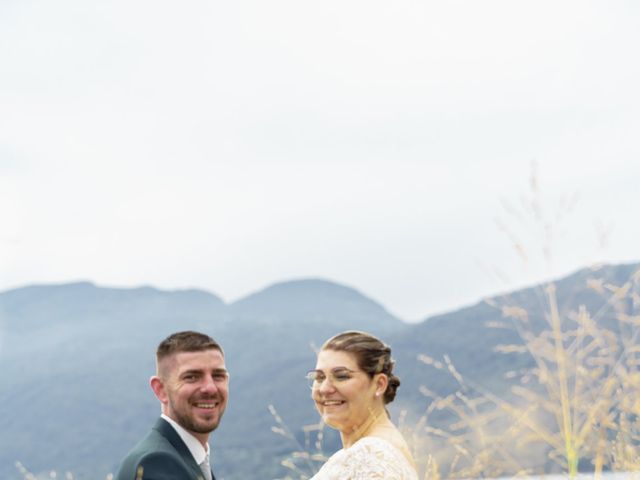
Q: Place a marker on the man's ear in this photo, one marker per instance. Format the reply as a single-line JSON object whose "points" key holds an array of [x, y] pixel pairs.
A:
{"points": [[157, 385]]}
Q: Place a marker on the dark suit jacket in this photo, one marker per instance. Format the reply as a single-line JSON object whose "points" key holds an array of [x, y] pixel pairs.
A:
{"points": [[161, 455]]}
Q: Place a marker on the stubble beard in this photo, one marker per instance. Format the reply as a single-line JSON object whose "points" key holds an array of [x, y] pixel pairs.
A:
{"points": [[188, 421]]}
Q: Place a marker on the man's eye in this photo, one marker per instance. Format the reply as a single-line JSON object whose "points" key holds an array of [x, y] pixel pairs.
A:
{"points": [[220, 377], [190, 378]]}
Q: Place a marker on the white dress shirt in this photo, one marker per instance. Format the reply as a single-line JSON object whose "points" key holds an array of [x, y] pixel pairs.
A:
{"points": [[198, 452]]}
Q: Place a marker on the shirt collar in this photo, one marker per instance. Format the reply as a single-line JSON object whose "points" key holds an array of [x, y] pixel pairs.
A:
{"points": [[198, 452]]}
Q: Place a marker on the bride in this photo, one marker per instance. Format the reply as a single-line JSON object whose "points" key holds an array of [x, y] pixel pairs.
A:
{"points": [[351, 384]]}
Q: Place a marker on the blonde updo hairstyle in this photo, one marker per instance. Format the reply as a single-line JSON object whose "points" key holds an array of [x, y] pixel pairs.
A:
{"points": [[372, 357]]}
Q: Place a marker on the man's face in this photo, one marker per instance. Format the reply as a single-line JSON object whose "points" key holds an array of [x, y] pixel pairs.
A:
{"points": [[193, 388]]}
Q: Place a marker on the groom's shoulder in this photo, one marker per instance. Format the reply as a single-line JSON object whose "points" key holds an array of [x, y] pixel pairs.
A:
{"points": [[153, 452], [153, 442]]}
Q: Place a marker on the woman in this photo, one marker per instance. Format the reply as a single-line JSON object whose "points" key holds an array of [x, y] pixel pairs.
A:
{"points": [[351, 384]]}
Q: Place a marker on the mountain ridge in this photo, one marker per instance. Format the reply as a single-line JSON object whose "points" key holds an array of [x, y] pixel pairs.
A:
{"points": [[75, 364]]}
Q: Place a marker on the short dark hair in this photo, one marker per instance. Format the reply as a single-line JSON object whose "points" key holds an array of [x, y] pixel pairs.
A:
{"points": [[371, 354], [187, 341]]}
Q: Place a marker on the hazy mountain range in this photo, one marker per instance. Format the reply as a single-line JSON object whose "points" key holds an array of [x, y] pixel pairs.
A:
{"points": [[75, 360]]}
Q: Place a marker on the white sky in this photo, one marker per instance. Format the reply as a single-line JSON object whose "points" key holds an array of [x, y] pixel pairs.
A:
{"points": [[230, 145]]}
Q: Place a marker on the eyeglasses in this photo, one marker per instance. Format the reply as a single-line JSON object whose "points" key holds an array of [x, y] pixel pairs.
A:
{"points": [[315, 378]]}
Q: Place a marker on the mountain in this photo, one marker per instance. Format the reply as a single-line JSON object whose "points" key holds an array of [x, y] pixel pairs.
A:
{"points": [[75, 360], [313, 301]]}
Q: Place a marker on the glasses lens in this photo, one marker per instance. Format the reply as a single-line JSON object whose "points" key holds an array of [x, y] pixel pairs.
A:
{"points": [[311, 379]]}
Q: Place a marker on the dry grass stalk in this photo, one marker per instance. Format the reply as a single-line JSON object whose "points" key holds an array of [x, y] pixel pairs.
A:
{"points": [[579, 403], [305, 460]]}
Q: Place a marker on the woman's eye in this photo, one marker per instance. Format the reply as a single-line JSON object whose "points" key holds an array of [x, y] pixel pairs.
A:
{"points": [[341, 377]]}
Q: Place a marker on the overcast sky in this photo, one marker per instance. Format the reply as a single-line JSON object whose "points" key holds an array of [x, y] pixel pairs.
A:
{"points": [[231, 145]]}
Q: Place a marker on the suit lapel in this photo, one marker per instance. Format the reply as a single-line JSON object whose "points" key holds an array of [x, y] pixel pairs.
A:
{"points": [[166, 430]]}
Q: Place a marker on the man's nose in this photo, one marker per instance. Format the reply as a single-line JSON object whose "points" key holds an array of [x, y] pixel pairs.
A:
{"points": [[209, 385]]}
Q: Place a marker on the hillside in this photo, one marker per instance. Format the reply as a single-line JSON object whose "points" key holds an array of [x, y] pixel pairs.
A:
{"points": [[76, 359]]}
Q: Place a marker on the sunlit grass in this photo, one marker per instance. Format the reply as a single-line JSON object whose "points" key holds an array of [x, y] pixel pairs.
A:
{"points": [[51, 475], [307, 457], [579, 404], [577, 407]]}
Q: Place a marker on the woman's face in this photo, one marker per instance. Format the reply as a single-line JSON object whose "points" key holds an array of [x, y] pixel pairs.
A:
{"points": [[344, 395]]}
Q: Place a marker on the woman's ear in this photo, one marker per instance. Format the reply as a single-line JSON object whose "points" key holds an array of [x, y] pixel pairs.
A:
{"points": [[381, 384]]}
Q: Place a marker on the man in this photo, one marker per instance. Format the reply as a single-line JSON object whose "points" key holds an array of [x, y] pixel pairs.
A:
{"points": [[192, 385]]}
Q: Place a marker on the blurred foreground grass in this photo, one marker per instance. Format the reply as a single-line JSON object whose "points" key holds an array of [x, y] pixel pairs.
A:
{"points": [[52, 475], [577, 408]]}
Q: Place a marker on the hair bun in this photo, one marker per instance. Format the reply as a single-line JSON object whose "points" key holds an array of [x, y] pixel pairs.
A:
{"points": [[390, 392]]}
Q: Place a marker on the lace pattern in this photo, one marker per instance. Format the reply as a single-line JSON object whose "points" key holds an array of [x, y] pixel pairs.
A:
{"points": [[370, 458]]}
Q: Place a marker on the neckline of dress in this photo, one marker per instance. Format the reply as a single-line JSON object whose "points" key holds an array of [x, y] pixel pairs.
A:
{"points": [[372, 437], [387, 442]]}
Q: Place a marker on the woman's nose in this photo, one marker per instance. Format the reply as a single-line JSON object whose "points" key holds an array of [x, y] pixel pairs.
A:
{"points": [[326, 385]]}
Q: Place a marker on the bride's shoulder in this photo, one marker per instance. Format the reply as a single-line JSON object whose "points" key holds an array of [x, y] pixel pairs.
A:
{"points": [[373, 441], [369, 458], [385, 451], [378, 443]]}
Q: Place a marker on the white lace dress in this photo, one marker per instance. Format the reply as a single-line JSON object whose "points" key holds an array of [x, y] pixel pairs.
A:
{"points": [[367, 459]]}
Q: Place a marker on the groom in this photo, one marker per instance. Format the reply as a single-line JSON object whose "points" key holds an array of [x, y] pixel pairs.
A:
{"points": [[192, 385]]}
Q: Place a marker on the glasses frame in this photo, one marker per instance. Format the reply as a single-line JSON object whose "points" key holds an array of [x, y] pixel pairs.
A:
{"points": [[314, 384]]}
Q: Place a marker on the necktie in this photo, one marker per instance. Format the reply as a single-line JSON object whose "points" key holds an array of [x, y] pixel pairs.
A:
{"points": [[206, 468]]}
